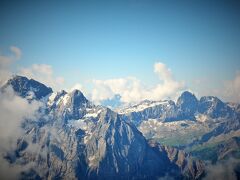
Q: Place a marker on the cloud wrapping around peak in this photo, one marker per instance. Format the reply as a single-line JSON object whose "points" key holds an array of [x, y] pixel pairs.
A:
{"points": [[13, 110], [132, 90], [79, 87]]}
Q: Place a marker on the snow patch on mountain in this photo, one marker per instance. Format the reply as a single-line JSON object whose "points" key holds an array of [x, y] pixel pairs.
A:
{"points": [[143, 105]]}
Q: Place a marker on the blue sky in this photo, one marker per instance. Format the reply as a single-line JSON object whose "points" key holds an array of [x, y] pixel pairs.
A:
{"points": [[84, 40]]}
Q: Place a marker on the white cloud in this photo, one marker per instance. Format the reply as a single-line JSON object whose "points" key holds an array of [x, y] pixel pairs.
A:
{"points": [[13, 110], [163, 72], [12, 171], [43, 73], [6, 61], [132, 89], [129, 88], [77, 86], [232, 89], [81, 88]]}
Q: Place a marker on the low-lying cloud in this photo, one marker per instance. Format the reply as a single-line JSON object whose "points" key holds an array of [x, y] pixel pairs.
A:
{"points": [[223, 170], [14, 110]]}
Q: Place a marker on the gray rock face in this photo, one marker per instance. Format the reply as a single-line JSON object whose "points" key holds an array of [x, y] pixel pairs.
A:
{"points": [[187, 105], [121, 149], [74, 139], [191, 169]]}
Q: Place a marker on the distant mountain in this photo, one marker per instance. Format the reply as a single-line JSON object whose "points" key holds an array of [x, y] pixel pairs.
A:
{"points": [[214, 107], [114, 102], [201, 127], [75, 139], [186, 108], [161, 110], [187, 105]]}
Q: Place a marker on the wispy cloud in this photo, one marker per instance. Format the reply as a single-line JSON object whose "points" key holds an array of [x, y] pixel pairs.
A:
{"points": [[43, 73], [222, 170], [133, 90], [232, 89], [80, 87], [6, 61], [17, 51]]}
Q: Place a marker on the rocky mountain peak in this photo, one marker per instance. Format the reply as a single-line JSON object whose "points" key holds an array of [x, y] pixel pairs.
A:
{"points": [[187, 104], [186, 97], [30, 88], [214, 107], [77, 98]]}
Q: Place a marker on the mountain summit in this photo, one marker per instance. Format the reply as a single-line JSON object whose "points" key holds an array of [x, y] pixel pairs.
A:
{"points": [[25, 87], [187, 104]]}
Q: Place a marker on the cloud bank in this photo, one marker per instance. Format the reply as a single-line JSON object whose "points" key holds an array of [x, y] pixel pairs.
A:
{"points": [[132, 89]]}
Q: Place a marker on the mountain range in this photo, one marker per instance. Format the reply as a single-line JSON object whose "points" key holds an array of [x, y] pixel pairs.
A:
{"points": [[200, 127], [72, 138]]}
